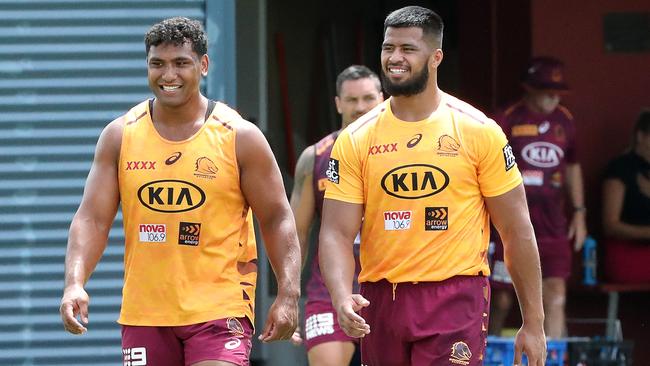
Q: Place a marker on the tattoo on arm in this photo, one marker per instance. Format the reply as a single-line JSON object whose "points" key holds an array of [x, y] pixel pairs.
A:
{"points": [[304, 169]]}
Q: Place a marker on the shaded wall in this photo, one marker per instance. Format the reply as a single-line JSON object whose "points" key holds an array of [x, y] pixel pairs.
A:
{"points": [[494, 46]]}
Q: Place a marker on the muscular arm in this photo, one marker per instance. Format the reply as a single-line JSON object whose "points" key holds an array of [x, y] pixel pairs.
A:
{"points": [[90, 226], [261, 184], [339, 226], [613, 195], [302, 199], [509, 214], [578, 225]]}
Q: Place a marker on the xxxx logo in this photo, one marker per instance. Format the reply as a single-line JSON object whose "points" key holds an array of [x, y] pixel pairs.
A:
{"points": [[380, 149], [140, 165]]}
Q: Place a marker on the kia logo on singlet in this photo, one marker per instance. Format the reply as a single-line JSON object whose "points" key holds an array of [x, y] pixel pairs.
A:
{"points": [[170, 195], [542, 154], [414, 181]]}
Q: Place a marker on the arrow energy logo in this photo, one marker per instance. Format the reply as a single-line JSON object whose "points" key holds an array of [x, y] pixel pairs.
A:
{"points": [[188, 233], [436, 218]]}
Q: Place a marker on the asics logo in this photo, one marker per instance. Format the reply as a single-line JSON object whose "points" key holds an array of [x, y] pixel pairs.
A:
{"points": [[173, 158], [414, 141]]}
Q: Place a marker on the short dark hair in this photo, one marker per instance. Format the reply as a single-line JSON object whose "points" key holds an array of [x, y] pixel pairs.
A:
{"points": [[643, 122], [177, 31], [356, 72], [416, 16]]}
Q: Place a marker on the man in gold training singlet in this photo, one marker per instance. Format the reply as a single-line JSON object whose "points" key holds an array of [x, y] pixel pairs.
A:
{"points": [[426, 172], [187, 172]]}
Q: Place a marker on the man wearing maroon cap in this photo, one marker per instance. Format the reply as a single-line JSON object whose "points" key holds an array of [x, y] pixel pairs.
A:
{"points": [[542, 135]]}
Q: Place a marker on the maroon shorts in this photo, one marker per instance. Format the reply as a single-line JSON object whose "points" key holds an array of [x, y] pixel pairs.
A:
{"points": [[322, 325], [554, 255], [218, 340], [427, 323]]}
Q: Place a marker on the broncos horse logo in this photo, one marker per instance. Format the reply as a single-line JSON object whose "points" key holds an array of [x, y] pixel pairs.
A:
{"points": [[235, 327], [460, 353], [205, 168], [447, 143]]}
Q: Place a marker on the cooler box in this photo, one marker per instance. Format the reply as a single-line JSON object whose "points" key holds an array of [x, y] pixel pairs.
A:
{"points": [[500, 351]]}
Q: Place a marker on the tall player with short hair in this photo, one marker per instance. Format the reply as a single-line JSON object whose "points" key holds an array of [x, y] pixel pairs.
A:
{"points": [[358, 90], [187, 172], [426, 172]]}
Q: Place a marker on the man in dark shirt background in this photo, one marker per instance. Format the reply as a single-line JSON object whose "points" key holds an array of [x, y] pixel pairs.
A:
{"points": [[542, 135]]}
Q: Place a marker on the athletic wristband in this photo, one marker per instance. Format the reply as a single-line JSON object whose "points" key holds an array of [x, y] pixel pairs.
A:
{"points": [[579, 209]]}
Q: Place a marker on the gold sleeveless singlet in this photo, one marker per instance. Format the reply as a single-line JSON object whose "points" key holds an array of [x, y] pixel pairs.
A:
{"points": [[190, 253]]}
